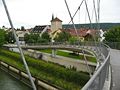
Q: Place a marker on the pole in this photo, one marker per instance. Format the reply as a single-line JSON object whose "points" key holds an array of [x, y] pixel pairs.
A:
{"points": [[18, 44]]}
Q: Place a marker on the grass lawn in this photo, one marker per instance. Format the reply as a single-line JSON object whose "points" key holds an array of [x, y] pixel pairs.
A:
{"points": [[67, 54], [63, 77]]}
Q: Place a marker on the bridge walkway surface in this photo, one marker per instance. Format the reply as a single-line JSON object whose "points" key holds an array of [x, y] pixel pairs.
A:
{"points": [[115, 63]]}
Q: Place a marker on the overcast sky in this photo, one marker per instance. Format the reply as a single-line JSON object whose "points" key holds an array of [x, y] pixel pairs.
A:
{"points": [[29, 13]]}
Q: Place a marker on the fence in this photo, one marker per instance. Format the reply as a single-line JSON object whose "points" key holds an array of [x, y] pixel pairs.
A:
{"points": [[114, 45], [98, 79]]}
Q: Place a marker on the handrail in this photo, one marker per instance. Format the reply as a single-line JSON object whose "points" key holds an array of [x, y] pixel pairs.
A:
{"points": [[66, 47], [98, 72]]}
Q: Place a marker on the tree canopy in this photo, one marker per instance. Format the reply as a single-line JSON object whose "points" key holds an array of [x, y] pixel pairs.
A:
{"points": [[9, 37], [63, 37], [113, 35], [35, 38], [2, 37]]}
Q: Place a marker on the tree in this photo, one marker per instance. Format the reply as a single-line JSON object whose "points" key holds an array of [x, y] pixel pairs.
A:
{"points": [[35, 38], [9, 37], [63, 37], [113, 35], [73, 40], [26, 38], [2, 37], [31, 38], [46, 36]]}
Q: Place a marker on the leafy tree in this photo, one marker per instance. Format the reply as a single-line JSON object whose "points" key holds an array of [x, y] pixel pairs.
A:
{"points": [[26, 37], [73, 40], [35, 38], [113, 35], [46, 36], [63, 37], [42, 40], [9, 37], [2, 37], [31, 38]]}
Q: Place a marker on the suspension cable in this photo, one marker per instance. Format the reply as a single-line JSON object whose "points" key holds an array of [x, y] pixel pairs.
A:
{"points": [[76, 11], [71, 18], [98, 11], [91, 27], [88, 14], [95, 10], [18, 44], [96, 20], [98, 17], [89, 71]]}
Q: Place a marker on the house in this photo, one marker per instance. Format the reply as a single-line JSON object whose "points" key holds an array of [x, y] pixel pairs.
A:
{"points": [[39, 29], [83, 33], [21, 34]]}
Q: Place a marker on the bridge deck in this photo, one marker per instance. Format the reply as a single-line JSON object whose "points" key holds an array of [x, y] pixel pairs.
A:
{"points": [[115, 62]]}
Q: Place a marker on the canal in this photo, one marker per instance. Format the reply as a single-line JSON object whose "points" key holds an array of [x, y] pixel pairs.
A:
{"points": [[8, 82]]}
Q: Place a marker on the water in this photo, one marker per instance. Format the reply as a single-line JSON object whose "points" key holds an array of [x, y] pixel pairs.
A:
{"points": [[8, 82]]}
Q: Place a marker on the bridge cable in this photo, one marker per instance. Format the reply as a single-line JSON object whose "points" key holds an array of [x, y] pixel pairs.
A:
{"points": [[98, 50], [78, 37], [76, 11], [96, 17], [98, 11], [18, 44]]}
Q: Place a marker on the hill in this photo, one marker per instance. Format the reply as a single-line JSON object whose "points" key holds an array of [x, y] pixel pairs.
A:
{"points": [[104, 26]]}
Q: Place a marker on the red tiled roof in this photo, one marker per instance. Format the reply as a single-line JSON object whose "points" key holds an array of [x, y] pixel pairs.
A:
{"points": [[81, 32]]}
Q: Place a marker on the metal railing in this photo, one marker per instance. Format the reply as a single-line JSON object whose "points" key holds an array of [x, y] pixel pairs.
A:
{"points": [[98, 79], [114, 45]]}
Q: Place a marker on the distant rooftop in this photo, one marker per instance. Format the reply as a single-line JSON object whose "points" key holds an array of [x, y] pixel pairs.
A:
{"points": [[56, 19], [38, 28]]}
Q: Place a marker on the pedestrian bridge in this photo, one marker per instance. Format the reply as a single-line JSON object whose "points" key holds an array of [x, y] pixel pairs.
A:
{"points": [[101, 78], [76, 48]]}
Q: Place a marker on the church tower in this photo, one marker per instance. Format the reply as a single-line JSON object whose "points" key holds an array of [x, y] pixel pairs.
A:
{"points": [[56, 23]]}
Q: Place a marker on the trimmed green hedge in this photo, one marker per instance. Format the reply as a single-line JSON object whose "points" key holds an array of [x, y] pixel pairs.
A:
{"points": [[52, 73]]}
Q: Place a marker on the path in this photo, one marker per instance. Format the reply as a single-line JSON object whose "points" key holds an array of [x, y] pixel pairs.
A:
{"points": [[115, 62]]}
